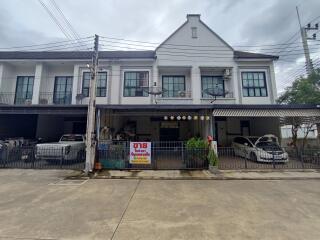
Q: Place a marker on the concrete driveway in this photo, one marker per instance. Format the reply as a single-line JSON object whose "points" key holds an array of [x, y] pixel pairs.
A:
{"points": [[35, 204]]}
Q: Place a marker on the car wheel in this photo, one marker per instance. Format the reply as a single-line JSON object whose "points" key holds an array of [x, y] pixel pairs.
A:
{"points": [[253, 157]]}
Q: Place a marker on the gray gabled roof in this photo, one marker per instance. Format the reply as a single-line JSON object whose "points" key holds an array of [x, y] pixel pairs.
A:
{"points": [[249, 55], [82, 55], [86, 55]]}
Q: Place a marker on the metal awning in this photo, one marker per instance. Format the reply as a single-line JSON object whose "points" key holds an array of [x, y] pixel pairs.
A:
{"points": [[282, 113], [44, 109]]}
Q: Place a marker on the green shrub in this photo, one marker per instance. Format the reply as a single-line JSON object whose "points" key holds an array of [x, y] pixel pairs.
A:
{"points": [[196, 143], [196, 151]]}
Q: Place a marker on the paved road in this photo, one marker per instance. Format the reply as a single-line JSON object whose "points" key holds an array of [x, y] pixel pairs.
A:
{"points": [[33, 207]]}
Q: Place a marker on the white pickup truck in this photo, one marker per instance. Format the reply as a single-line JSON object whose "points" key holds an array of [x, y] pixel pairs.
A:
{"points": [[69, 147]]}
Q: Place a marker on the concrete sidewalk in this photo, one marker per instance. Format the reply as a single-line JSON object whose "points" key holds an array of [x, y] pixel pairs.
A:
{"points": [[206, 175]]}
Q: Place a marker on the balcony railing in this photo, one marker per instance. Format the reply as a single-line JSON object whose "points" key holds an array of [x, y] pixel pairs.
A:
{"points": [[60, 98], [10, 98], [176, 94], [225, 94]]}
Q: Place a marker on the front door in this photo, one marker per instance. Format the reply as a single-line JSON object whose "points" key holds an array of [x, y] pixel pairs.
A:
{"points": [[221, 133], [169, 131], [245, 128]]}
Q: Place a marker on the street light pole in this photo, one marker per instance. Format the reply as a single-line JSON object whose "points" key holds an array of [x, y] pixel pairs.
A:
{"points": [[91, 115]]}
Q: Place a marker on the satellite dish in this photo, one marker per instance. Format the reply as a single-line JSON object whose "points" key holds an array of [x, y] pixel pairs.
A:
{"points": [[214, 93], [154, 90]]}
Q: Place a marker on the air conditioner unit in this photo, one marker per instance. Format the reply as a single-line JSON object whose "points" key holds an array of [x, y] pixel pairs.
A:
{"points": [[28, 101], [227, 73], [182, 94]]}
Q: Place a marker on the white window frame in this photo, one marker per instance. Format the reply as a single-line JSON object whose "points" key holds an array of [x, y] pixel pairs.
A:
{"points": [[252, 69], [123, 71]]}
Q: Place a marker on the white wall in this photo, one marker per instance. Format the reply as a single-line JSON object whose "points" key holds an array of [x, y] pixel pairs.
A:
{"points": [[271, 88]]}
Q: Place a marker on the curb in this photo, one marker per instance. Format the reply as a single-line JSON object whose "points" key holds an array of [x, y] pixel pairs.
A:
{"points": [[205, 178]]}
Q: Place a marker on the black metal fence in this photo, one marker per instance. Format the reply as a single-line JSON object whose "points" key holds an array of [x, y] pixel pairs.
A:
{"points": [[46, 157], [164, 156], [287, 158]]}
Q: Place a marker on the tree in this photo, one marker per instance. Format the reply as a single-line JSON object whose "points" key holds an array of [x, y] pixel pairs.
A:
{"points": [[303, 91]]}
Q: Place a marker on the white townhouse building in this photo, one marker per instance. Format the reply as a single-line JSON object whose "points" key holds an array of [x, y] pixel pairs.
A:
{"points": [[193, 84]]}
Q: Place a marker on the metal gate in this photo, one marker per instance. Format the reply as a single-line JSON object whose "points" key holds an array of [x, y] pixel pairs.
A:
{"points": [[26, 157], [229, 158], [165, 155]]}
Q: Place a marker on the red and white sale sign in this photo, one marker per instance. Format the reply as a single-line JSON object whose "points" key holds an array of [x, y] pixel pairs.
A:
{"points": [[140, 152]]}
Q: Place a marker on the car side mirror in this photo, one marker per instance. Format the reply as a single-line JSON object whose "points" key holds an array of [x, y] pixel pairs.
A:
{"points": [[246, 144]]}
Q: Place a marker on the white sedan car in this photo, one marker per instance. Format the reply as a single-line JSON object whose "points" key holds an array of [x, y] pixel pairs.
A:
{"points": [[260, 149]]}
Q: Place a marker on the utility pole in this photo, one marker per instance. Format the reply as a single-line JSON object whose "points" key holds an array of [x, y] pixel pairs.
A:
{"points": [[90, 135], [304, 36]]}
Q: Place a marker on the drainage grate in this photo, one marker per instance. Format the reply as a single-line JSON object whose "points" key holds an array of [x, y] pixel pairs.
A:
{"points": [[70, 182]]}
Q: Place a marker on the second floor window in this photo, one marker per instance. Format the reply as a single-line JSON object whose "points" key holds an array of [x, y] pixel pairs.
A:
{"points": [[101, 84], [212, 86], [24, 89], [173, 86], [254, 84], [62, 90], [134, 84]]}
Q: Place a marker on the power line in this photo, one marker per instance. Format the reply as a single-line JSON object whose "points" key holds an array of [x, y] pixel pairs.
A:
{"points": [[54, 19], [70, 46], [73, 31], [121, 44], [45, 44]]}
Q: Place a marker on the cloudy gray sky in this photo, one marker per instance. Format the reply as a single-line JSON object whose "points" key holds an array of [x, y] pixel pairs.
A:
{"points": [[239, 22]]}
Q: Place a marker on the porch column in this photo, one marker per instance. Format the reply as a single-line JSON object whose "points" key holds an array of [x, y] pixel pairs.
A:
{"points": [[115, 84], [155, 76], [236, 83], [1, 74], [273, 87], [196, 84], [37, 83], [75, 83], [155, 80]]}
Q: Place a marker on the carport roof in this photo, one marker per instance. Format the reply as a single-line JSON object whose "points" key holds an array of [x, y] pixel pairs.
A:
{"points": [[207, 106], [244, 110], [282, 113], [44, 109]]}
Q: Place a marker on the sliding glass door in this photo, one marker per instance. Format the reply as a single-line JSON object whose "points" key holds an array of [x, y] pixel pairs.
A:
{"points": [[24, 89], [62, 90]]}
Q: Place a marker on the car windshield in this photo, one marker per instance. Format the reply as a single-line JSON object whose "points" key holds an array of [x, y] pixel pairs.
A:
{"points": [[269, 146], [268, 139], [71, 138], [253, 139]]}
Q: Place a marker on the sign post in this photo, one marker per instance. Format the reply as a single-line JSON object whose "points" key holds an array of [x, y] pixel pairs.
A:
{"points": [[140, 153]]}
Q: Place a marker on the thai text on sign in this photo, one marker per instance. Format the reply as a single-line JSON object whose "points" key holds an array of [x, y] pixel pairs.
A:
{"points": [[140, 152]]}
